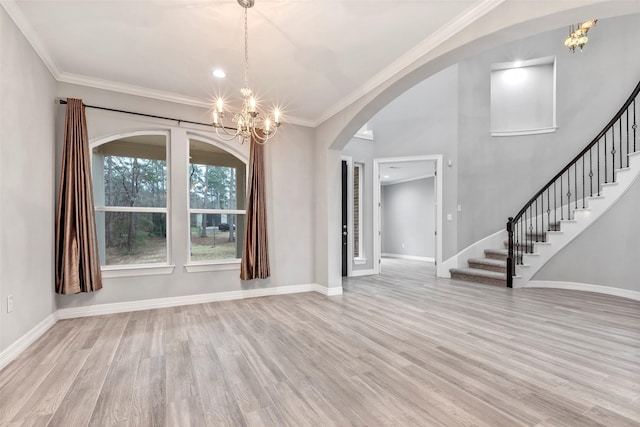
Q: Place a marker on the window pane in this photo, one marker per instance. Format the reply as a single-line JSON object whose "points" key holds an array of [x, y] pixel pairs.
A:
{"points": [[356, 210], [217, 179], [216, 237], [131, 172], [132, 237]]}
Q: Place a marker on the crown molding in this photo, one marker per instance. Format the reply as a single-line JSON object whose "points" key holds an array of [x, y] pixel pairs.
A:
{"points": [[14, 11], [457, 24], [145, 92], [81, 80]]}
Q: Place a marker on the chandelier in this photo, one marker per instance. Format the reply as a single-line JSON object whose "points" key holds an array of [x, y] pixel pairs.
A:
{"points": [[578, 35], [248, 122]]}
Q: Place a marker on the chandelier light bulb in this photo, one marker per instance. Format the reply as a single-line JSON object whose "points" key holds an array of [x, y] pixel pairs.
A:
{"points": [[578, 35], [249, 122]]}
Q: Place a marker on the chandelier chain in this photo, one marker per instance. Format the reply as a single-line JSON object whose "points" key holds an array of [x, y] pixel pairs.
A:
{"points": [[249, 123], [246, 50]]}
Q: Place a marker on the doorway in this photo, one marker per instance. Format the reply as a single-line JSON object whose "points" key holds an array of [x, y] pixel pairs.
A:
{"points": [[404, 179]]}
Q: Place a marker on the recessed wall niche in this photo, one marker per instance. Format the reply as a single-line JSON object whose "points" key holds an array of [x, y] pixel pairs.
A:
{"points": [[523, 97]]}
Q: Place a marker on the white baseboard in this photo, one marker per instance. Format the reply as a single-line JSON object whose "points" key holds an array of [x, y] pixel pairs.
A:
{"points": [[123, 307], [625, 293], [358, 273], [336, 290], [410, 257], [26, 340]]}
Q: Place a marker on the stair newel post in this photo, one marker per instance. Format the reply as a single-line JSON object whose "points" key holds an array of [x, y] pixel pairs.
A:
{"points": [[510, 266]]}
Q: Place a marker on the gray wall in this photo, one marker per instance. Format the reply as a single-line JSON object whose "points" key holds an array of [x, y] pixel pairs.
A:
{"points": [[424, 121], [605, 254], [26, 185], [361, 151], [497, 175], [408, 218], [290, 216]]}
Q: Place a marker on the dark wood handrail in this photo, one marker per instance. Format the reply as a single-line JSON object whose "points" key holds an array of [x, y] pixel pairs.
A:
{"points": [[606, 129], [521, 239]]}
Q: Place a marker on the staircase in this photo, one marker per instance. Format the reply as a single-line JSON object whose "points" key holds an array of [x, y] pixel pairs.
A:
{"points": [[492, 269], [594, 181]]}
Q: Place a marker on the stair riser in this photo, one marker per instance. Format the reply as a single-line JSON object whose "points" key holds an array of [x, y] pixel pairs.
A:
{"points": [[529, 248], [477, 279], [488, 267], [491, 255]]}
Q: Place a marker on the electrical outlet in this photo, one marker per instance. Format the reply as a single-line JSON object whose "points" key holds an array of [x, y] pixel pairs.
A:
{"points": [[9, 303]]}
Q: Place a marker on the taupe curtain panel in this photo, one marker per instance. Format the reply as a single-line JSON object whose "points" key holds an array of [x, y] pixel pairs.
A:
{"points": [[255, 253], [77, 262]]}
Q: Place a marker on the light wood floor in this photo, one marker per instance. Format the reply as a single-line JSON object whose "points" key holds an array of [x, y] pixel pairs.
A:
{"points": [[400, 349]]}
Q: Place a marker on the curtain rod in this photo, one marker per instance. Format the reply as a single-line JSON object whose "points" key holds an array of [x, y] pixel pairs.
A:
{"points": [[64, 101]]}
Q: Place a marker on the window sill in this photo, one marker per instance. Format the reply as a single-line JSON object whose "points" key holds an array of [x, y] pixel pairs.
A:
{"points": [[113, 271], [524, 131], [213, 266], [359, 261]]}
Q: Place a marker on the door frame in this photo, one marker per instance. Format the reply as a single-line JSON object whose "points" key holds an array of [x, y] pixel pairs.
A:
{"points": [[377, 227], [349, 161]]}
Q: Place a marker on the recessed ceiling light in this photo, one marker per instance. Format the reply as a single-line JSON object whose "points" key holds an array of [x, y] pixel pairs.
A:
{"points": [[386, 176], [219, 73]]}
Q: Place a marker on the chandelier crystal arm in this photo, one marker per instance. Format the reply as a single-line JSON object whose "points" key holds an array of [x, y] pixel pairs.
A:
{"points": [[249, 121]]}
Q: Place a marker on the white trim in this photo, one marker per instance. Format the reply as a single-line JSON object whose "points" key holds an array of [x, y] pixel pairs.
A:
{"points": [[377, 250], [82, 80], [333, 291], [404, 180], [133, 270], [586, 287], [524, 131], [545, 60], [409, 257], [129, 306], [14, 350], [359, 261], [358, 273], [194, 267], [134, 209], [218, 211]]}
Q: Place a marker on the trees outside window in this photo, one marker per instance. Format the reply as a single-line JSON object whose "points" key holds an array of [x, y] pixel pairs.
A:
{"points": [[130, 192], [217, 194]]}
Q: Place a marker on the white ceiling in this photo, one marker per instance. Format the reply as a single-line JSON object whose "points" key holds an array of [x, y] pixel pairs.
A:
{"points": [[312, 57], [397, 172]]}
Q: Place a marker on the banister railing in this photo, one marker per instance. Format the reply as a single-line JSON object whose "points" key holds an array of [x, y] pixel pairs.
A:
{"points": [[568, 190]]}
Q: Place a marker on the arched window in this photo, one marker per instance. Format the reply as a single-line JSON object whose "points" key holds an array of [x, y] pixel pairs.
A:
{"points": [[130, 193], [158, 203], [217, 196]]}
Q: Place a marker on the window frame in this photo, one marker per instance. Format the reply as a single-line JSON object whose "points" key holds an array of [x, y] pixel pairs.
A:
{"points": [[361, 258], [222, 264], [143, 269]]}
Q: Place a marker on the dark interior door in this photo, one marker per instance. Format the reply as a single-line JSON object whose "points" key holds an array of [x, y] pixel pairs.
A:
{"points": [[343, 231]]}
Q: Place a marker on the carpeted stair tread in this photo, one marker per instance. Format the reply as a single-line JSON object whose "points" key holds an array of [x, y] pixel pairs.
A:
{"points": [[489, 261]]}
